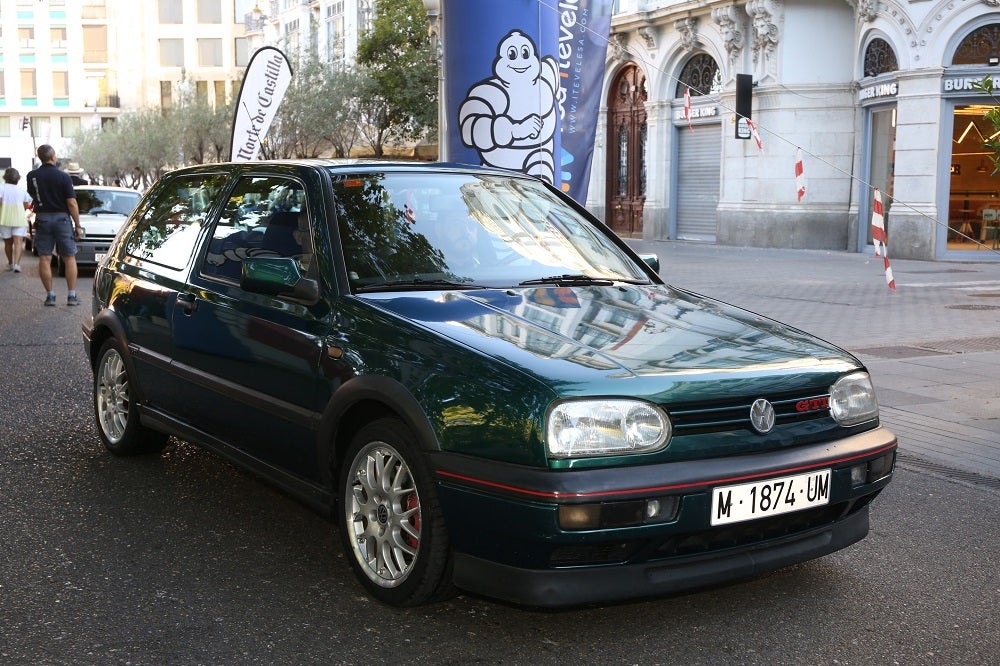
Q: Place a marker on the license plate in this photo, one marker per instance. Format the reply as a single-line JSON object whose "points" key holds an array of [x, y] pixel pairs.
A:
{"points": [[98, 258], [749, 501]]}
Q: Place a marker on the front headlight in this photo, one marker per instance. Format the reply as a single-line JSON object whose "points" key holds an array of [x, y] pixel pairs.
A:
{"points": [[605, 427], [852, 399]]}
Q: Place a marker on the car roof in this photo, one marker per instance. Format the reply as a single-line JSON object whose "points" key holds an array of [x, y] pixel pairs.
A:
{"points": [[351, 164], [105, 188]]}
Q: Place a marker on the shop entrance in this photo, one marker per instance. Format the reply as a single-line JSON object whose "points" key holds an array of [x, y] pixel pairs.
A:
{"points": [[973, 199]]}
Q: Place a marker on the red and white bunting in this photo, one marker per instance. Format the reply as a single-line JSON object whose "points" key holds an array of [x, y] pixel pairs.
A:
{"points": [[800, 175], [687, 107], [879, 237], [756, 135]]}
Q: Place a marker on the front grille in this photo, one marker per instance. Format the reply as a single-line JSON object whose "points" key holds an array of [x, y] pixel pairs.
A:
{"points": [[756, 531], [695, 419]]}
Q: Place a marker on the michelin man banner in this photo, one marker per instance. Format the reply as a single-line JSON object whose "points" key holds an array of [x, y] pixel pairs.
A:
{"points": [[523, 85]]}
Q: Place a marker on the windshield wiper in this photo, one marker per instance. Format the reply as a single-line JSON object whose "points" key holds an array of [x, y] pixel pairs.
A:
{"points": [[417, 284], [568, 280]]}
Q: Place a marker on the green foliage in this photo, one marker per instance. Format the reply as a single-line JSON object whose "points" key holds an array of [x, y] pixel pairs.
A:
{"points": [[318, 115], [396, 55], [989, 87]]}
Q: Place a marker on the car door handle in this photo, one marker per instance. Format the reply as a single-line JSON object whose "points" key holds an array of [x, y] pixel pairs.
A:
{"points": [[187, 302]]}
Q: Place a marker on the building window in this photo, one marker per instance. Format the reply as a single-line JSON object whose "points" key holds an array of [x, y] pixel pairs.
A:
{"points": [[201, 91], [57, 37], [701, 75], [26, 37], [879, 58], [171, 11], [171, 52], [981, 44], [166, 95], [28, 87], [95, 43], [94, 9], [60, 85], [70, 127], [210, 52], [242, 51], [4, 126], [220, 94], [209, 11]]}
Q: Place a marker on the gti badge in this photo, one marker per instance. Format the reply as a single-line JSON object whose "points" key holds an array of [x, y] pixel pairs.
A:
{"points": [[762, 416]]}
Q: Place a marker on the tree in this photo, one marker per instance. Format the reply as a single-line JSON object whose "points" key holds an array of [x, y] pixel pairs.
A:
{"points": [[992, 142], [319, 113], [396, 55]]}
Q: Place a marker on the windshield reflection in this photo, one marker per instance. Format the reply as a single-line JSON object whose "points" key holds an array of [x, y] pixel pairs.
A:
{"points": [[485, 230]]}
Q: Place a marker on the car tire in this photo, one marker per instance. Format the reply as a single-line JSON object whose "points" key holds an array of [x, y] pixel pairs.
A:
{"points": [[391, 525], [115, 410]]}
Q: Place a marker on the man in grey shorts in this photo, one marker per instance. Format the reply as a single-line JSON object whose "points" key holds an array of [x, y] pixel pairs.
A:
{"points": [[57, 222]]}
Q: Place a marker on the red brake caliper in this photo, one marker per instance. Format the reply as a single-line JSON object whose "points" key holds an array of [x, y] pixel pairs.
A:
{"points": [[412, 503]]}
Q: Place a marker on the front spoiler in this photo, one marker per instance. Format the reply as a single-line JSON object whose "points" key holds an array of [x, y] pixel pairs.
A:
{"points": [[552, 588]]}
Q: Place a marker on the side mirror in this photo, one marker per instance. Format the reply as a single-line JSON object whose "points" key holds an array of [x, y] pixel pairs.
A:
{"points": [[652, 261], [278, 276]]}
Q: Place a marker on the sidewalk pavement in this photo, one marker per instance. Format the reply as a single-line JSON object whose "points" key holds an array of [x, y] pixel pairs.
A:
{"points": [[932, 346]]}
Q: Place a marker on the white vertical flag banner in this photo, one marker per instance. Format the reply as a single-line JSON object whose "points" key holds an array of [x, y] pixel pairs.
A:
{"points": [[264, 85], [800, 176], [879, 237]]}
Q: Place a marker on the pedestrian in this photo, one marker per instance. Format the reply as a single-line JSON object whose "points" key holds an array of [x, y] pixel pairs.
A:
{"points": [[76, 174], [57, 222], [14, 201]]}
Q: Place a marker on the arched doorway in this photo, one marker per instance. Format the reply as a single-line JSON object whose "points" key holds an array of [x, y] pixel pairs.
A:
{"points": [[626, 190]]}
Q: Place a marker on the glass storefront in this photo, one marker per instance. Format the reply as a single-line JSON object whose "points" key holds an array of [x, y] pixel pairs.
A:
{"points": [[973, 198]]}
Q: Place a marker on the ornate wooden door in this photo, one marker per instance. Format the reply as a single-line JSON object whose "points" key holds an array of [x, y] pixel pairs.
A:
{"points": [[626, 145]]}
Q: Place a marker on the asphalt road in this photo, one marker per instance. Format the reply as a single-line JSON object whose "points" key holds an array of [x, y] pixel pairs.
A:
{"points": [[182, 559]]}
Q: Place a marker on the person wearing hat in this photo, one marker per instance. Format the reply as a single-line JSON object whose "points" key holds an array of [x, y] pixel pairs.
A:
{"points": [[57, 222], [76, 174]]}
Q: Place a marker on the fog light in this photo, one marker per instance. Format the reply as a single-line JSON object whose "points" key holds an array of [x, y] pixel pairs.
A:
{"points": [[859, 474], [661, 509], [579, 516], [880, 467]]}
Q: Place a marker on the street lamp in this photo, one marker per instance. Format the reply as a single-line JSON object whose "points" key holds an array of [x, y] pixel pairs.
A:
{"points": [[435, 32]]}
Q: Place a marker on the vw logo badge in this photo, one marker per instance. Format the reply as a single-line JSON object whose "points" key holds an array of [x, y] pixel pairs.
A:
{"points": [[762, 416]]}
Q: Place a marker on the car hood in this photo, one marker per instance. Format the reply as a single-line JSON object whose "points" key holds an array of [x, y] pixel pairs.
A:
{"points": [[575, 338], [102, 224]]}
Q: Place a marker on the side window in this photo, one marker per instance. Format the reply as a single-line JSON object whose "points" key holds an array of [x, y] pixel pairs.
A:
{"points": [[265, 216], [168, 224]]}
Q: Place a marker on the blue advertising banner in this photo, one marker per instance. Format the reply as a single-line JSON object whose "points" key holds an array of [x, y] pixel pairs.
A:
{"points": [[523, 85], [501, 85], [584, 26]]}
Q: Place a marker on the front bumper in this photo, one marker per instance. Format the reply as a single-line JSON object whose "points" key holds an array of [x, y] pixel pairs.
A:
{"points": [[89, 250], [503, 521]]}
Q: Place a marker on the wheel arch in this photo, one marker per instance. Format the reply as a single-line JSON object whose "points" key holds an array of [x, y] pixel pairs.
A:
{"points": [[360, 401]]}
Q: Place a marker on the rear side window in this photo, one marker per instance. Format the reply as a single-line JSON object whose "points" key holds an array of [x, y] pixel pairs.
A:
{"points": [[265, 216], [169, 223]]}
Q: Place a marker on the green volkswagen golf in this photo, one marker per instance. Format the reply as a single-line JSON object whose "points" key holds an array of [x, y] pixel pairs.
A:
{"points": [[486, 388]]}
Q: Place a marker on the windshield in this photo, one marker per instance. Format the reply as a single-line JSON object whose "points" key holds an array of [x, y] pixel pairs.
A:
{"points": [[96, 202], [446, 230]]}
